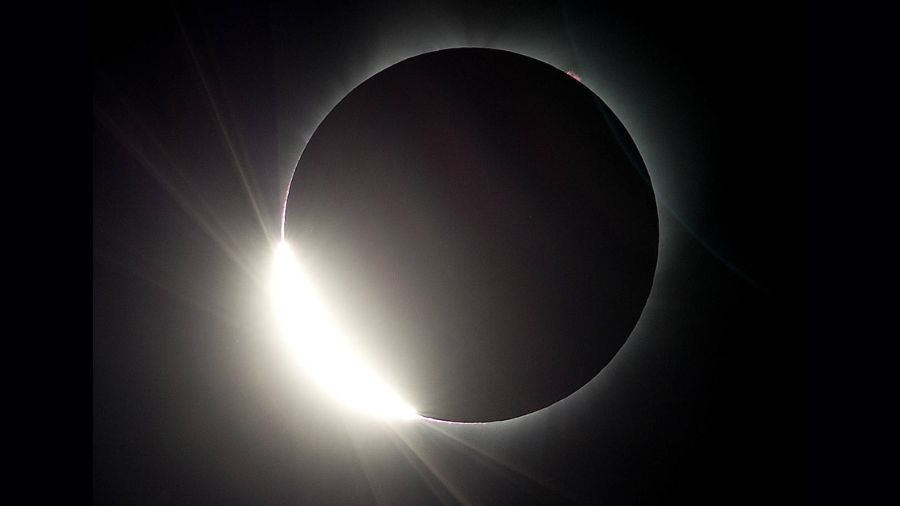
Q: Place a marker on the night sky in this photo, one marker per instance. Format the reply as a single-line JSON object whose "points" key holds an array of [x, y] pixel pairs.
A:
{"points": [[200, 115]]}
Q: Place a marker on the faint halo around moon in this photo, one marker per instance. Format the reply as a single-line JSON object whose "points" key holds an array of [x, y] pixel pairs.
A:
{"points": [[482, 227]]}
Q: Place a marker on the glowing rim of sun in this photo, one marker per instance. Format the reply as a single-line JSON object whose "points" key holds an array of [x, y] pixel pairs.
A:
{"points": [[318, 344]]}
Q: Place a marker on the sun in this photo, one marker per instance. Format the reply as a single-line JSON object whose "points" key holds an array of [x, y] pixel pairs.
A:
{"points": [[321, 349]]}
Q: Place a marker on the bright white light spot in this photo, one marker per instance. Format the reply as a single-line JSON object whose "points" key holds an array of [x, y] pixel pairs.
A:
{"points": [[320, 347]]}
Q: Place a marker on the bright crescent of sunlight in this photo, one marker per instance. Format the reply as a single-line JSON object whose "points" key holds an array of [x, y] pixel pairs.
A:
{"points": [[320, 348]]}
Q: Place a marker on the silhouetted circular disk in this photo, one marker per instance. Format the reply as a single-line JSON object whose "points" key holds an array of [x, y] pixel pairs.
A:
{"points": [[482, 227]]}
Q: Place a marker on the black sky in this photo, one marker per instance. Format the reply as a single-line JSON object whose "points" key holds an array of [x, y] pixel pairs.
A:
{"points": [[196, 105]]}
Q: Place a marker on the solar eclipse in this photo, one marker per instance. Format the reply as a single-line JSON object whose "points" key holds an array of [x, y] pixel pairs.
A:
{"points": [[483, 229]]}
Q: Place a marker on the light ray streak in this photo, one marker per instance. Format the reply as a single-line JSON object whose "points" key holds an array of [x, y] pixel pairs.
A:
{"points": [[421, 461], [505, 464], [364, 468], [180, 199], [193, 194], [223, 130]]}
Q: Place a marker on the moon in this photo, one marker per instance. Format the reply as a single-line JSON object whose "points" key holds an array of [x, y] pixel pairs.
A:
{"points": [[470, 235]]}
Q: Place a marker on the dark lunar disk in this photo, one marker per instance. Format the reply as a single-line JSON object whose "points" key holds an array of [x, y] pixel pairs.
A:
{"points": [[483, 228]]}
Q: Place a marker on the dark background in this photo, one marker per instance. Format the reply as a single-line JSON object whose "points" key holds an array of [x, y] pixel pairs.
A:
{"points": [[198, 106]]}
